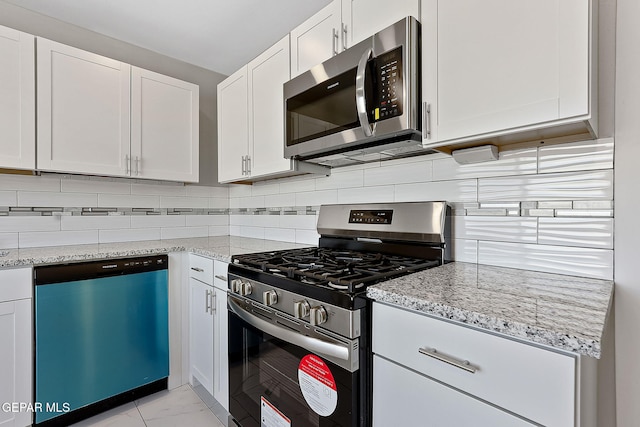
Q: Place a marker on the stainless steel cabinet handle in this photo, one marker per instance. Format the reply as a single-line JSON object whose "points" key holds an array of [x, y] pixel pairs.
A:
{"points": [[137, 166], [218, 276], [127, 164], [344, 36], [462, 364], [334, 41], [248, 165], [244, 167], [426, 120], [207, 298], [214, 300], [198, 269]]}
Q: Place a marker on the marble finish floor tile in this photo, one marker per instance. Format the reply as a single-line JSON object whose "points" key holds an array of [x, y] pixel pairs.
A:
{"points": [[170, 408]]}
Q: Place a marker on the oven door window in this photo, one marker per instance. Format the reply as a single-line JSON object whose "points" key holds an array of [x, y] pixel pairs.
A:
{"points": [[264, 388]]}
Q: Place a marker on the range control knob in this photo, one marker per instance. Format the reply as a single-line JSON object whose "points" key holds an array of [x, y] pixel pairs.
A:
{"points": [[245, 289], [301, 309], [317, 315], [269, 298], [236, 284]]}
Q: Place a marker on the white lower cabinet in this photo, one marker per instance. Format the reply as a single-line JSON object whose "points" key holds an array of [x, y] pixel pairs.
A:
{"points": [[402, 397], [208, 359], [16, 359], [468, 370]]}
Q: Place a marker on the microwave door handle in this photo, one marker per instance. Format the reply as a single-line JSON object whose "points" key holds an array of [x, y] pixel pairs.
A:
{"points": [[361, 100], [321, 347]]}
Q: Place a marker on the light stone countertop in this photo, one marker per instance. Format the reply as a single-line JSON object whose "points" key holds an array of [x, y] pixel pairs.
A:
{"points": [[221, 248], [565, 312]]}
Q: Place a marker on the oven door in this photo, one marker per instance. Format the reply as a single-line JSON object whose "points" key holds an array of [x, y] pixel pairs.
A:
{"points": [[280, 377]]}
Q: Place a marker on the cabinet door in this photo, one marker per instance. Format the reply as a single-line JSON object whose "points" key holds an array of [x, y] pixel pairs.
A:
{"points": [[267, 73], [164, 127], [201, 333], [499, 66], [233, 126], [17, 100], [363, 18], [16, 360], [316, 39], [404, 398], [83, 111]]}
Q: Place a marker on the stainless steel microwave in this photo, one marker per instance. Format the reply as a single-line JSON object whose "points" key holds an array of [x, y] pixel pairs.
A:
{"points": [[361, 104]]}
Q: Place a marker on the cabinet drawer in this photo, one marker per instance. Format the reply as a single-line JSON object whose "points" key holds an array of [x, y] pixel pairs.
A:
{"points": [[220, 279], [535, 383], [15, 284], [201, 268]]}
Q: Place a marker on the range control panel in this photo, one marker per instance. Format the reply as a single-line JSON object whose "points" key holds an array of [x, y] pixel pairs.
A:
{"points": [[370, 216]]}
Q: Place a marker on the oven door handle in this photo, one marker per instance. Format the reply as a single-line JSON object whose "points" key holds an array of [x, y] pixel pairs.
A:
{"points": [[361, 98], [321, 347]]}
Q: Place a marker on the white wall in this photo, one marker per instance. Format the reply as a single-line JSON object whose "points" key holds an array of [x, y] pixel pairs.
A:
{"points": [[627, 204]]}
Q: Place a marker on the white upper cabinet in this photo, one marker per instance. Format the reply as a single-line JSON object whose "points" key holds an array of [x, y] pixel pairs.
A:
{"points": [[363, 18], [505, 71], [342, 24], [100, 116], [164, 127], [83, 111], [266, 75], [316, 39], [17, 100], [233, 126]]}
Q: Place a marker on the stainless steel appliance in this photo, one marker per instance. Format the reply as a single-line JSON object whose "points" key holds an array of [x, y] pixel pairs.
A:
{"points": [[299, 321], [361, 105], [101, 336]]}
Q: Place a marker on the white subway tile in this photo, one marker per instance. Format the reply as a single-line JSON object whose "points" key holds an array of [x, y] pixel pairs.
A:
{"points": [[22, 224], [128, 235], [303, 222], [281, 234], [29, 183], [218, 203], [158, 190], [183, 232], [339, 179], [379, 194], [184, 202], [8, 240], [197, 220], [266, 220], [398, 173], [307, 237], [218, 230], [205, 191], [75, 185], [50, 199], [581, 232], [8, 198], [264, 188], [584, 262], [450, 191], [500, 229], [279, 200], [297, 184], [158, 221], [239, 190], [131, 201], [514, 162], [234, 230], [248, 202], [252, 232], [316, 198], [576, 156], [465, 250], [58, 238], [94, 222], [239, 220], [560, 186]]}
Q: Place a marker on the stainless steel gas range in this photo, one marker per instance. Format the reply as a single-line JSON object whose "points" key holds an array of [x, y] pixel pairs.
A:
{"points": [[299, 321]]}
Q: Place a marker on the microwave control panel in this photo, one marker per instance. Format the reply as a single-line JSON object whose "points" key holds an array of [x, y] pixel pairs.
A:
{"points": [[388, 74]]}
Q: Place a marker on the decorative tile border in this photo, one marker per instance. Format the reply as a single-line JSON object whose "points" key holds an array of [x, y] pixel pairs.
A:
{"points": [[566, 208]]}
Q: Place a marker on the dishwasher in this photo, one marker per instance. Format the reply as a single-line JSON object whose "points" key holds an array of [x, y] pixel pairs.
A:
{"points": [[101, 336]]}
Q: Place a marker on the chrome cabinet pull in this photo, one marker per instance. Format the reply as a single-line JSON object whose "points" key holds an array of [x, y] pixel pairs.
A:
{"points": [[214, 302], [207, 301], [127, 164], [218, 276], [426, 120], [248, 165], [462, 364], [344, 36], [244, 168], [137, 162], [334, 41], [198, 269]]}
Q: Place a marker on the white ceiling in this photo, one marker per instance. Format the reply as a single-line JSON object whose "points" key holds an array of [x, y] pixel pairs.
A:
{"points": [[220, 35]]}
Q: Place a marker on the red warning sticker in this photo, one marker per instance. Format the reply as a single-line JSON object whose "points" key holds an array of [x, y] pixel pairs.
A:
{"points": [[270, 416], [318, 385]]}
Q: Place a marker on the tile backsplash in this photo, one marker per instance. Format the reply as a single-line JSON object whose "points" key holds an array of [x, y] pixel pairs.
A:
{"points": [[548, 208]]}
